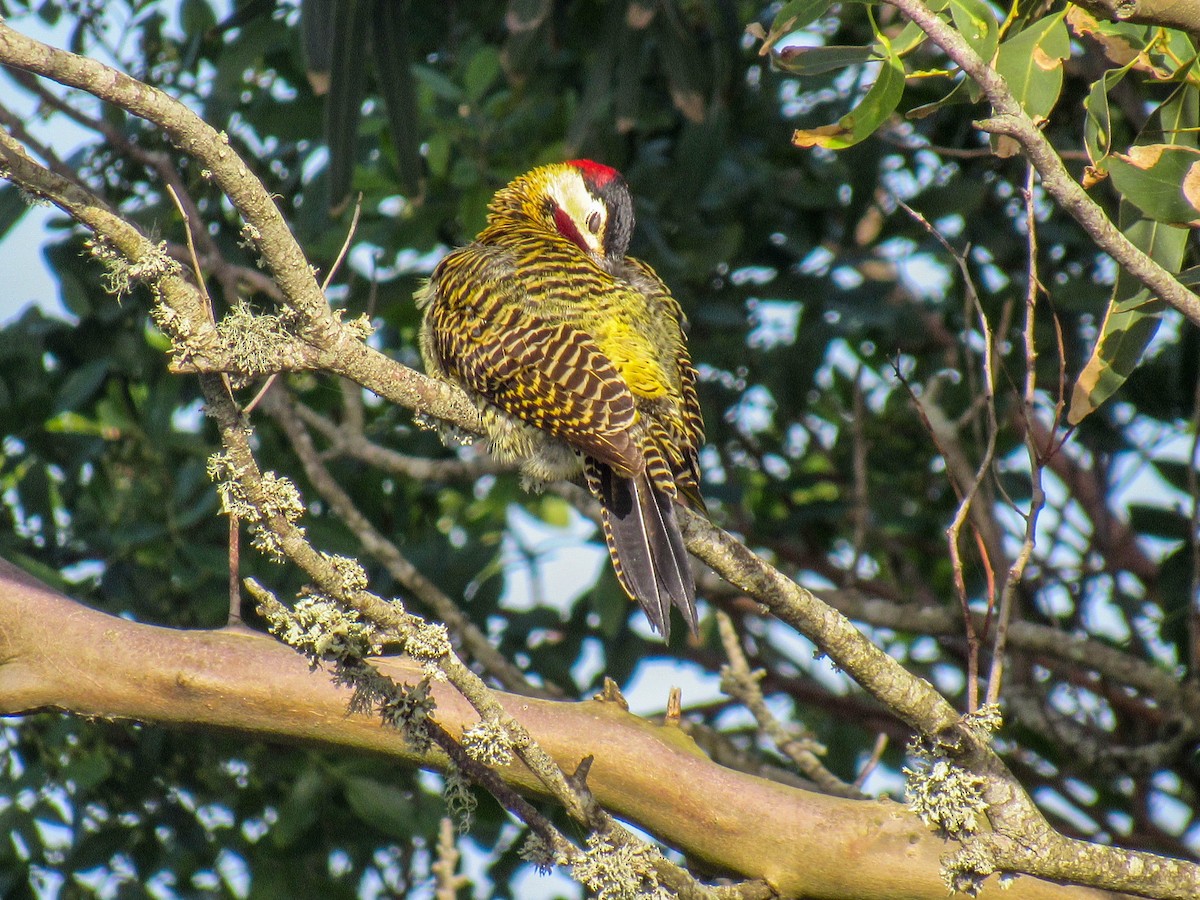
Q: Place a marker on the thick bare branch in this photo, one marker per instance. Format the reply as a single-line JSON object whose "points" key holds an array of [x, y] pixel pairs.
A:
{"points": [[1181, 14], [58, 654]]}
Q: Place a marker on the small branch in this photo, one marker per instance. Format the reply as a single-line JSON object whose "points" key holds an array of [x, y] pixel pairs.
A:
{"points": [[1166, 13], [743, 685], [1058, 649], [16, 127], [1037, 498], [348, 440]]}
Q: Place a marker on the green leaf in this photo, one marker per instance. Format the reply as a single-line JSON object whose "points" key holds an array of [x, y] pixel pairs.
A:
{"points": [[960, 93], [1161, 180], [380, 805], [816, 60], [976, 22], [482, 72], [1032, 64], [911, 36], [527, 42], [300, 809], [681, 56], [316, 40], [862, 121], [794, 15], [1132, 318], [343, 105], [12, 208], [81, 385], [393, 71], [1097, 128], [197, 17], [1121, 42]]}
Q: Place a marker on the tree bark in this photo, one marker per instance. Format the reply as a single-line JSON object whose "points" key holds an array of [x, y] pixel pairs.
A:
{"points": [[58, 654]]}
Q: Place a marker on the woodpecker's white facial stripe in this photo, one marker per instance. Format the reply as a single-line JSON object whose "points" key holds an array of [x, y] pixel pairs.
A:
{"points": [[579, 216]]}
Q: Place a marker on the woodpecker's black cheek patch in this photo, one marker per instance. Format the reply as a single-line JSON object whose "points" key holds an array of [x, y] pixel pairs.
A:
{"points": [[566, 227]]}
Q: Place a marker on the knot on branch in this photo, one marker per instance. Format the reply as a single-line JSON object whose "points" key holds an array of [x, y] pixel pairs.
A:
{"points": [[1002, 124]]}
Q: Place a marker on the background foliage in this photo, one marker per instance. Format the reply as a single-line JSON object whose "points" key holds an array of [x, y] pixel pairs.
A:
{"points": [[820, 305]]}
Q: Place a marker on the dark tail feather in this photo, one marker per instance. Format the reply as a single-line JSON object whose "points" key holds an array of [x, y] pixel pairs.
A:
{"points": [[647, 548]]}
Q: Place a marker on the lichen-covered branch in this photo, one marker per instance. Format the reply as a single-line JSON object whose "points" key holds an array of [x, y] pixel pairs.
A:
{"points": [[283, 412]]}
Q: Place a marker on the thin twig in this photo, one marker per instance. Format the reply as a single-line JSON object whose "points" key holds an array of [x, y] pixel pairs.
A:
{"points": [[872, 763], [348, 440], [235, 575], [861, 509], [345, 244], [967, 495], [739, 682], [1193, 483], [191, 245], [1037, 496]]}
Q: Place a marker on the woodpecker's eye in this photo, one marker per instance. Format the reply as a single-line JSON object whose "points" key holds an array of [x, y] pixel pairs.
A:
{"points": [[593, 221]]}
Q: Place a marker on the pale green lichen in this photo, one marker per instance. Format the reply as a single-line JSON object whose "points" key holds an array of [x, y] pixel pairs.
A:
{"points": [[427, 642], [121, 275], [409, 709], [353, 575], [325, 629], [360, 327], [946, 797], [460, 799], [619, 872], [985, 721], [488, 743], [253, 339], [28, 197], [171, 323], [281, 499], [535, 850], [966, 870], [250, 238]]}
